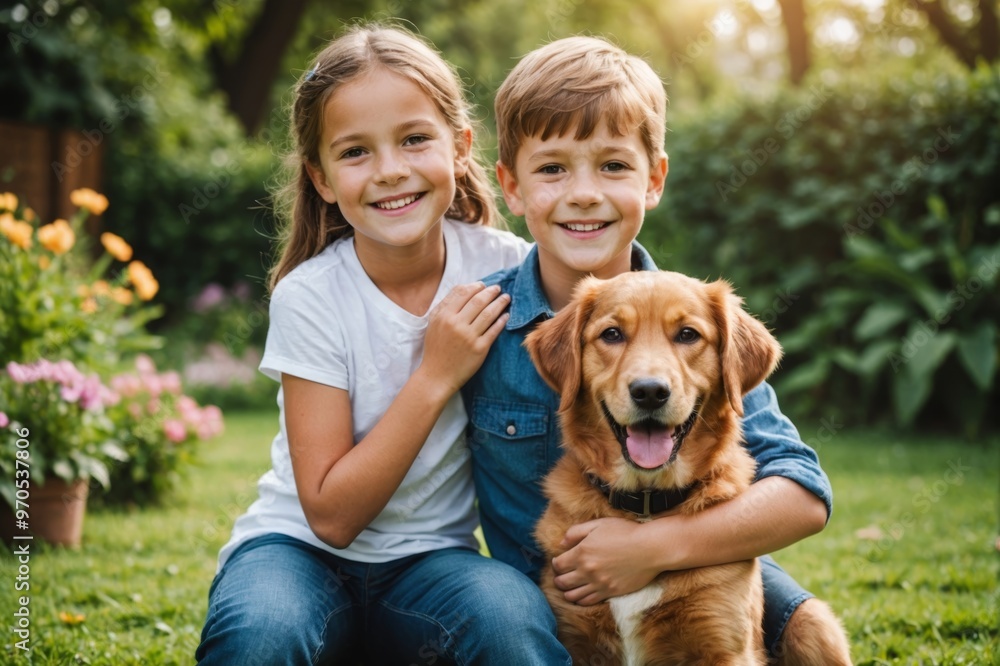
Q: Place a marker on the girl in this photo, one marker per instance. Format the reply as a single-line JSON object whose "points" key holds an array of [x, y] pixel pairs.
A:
{"points": [[361, 543]]}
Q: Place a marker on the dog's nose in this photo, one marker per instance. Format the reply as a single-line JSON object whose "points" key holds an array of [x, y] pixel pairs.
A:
{"points": [[649, 393]]}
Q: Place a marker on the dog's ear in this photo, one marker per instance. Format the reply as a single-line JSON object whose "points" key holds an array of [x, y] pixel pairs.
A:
{"points": [[556, 345], [748, 352]]}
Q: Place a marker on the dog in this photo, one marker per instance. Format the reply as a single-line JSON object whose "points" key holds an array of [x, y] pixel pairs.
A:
{"points": [[652, 368]]}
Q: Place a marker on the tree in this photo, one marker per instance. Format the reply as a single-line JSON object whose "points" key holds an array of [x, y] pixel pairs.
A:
{"points": [[794, 13], [247, 79], [981, 41]]}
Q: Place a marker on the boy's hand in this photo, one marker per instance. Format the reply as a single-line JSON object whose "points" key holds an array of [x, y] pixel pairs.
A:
{"points": [[460, 330], [605, 559]]}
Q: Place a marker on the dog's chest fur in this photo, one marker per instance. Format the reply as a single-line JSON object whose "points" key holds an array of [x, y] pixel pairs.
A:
{"points": [[628, 611]]}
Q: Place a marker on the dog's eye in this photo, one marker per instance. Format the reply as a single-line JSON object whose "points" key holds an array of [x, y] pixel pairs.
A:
{"points": [[612, 335], [687, 335]]}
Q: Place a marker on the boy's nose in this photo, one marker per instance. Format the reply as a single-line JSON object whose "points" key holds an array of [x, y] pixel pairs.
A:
{"points": [[584, 192]]}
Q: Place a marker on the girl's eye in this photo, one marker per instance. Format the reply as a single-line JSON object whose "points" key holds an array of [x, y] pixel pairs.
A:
{"points": [[414, 140], [612, 335], [687, 335], [352, 152]]}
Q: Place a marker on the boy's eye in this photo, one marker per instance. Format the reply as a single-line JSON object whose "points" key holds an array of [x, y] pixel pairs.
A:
{"points": [[616, 166], [550, 169]]}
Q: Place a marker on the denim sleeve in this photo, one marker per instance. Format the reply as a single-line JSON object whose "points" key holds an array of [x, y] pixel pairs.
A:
{"points": [[776, 446]]}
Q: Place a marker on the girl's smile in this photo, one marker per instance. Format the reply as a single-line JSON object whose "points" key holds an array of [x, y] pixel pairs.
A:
{"points": [[390, 167]]}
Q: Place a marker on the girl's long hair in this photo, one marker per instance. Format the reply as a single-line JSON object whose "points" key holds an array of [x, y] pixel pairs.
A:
{"points": [[307, 223]]}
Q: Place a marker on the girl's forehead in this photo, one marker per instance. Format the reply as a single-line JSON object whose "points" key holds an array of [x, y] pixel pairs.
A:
{"points": [[377, 99]]}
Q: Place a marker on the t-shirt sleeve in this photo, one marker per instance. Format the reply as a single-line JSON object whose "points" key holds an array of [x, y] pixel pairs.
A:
{"points": [[777, 447], [303, 337]]}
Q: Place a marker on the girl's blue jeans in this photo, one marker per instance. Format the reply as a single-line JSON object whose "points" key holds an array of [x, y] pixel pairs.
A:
{"points": [[278, 600]]}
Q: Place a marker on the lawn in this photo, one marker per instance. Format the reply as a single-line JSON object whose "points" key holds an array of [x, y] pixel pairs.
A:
{"points": [[908, 559]]}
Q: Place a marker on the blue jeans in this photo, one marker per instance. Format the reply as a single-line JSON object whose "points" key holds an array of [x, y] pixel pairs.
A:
{"points": [[782, 595], [278, 600]]}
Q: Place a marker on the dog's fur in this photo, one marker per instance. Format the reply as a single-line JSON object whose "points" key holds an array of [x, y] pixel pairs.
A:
{"points": [[605, 353]]}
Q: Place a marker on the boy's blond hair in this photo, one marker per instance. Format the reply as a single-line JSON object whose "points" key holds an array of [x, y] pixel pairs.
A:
{"points": [[579, 82]]}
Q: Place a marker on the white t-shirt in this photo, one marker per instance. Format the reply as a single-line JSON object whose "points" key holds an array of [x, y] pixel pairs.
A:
{"points": [[330, 324]]}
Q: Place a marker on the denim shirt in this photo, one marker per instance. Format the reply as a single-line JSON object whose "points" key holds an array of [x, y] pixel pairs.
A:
{"points": [[514, 432]]}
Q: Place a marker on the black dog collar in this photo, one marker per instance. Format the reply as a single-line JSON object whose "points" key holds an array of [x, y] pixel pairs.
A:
{"points": [[645, 502]]}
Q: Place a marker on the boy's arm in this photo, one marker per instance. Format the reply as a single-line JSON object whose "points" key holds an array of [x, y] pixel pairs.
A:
{"points": [[790, 500]]}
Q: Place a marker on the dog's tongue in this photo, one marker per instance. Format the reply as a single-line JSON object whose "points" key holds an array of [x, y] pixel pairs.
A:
{"points": [[649, 445]]}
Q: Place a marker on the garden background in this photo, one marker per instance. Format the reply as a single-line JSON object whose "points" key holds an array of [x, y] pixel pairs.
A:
{"points": [[837, 160]]}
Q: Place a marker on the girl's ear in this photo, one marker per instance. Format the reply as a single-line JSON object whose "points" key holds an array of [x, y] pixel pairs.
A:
{"points": [[510, 189], [318, 178], [657, 178], [463, 152]]}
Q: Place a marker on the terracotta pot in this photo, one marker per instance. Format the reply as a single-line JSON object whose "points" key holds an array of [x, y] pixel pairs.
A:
{"points": [[55, 513]]}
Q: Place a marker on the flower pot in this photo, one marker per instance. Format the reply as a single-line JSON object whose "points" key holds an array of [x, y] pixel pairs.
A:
{"points": [[55, 513]]}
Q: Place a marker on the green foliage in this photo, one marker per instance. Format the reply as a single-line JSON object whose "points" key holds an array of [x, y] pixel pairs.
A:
{"points": [[860, 219]]}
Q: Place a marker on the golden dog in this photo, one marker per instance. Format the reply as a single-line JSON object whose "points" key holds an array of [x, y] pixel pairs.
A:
{"points": [[652, 368]]}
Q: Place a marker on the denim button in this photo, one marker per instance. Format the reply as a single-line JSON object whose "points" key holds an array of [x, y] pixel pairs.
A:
{"points": [[511, 429]]}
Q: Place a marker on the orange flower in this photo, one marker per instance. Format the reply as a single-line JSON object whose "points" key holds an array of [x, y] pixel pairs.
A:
{"points": [[121, 295], [89, 305], [101, 288], [89, 199], [18, 233], [146, 285], [57, 237], [8, 201], [29, 215], [116, 246], [71, 618], [44, 262], [83, 290]]}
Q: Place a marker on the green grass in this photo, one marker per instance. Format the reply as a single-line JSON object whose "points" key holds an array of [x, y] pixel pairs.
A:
{"points": [[926, 593]]}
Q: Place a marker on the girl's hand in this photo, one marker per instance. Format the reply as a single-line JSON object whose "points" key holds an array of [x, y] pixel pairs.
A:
{"points": [[460, 330]]}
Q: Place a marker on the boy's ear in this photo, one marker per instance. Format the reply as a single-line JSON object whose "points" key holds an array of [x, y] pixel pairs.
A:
{"points": [[463, 152], [318, 178], [511, 190], [657, 178]]}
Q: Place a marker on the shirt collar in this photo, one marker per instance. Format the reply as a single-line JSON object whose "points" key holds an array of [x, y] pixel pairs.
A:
{"points": [[527, 300]]}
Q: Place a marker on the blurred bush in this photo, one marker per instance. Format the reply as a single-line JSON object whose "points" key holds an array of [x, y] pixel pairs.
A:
{"points": [[860, 219]]}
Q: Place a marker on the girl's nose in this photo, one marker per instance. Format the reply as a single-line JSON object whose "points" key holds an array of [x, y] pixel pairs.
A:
{"points": [[391, 168]]}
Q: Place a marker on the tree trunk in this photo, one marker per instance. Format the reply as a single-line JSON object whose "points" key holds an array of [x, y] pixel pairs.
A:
{"points": [[949, 34], [247, 81], [794, 13], [989, 30]]}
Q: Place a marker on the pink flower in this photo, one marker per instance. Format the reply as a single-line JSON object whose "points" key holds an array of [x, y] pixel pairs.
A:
{"points": [[19, 373], [126, 385], [210, 296], [144, 364], [153, 406], [171, 382], [71, 392], [4, 421], [135, 409], [152, 384], [174, 430]]}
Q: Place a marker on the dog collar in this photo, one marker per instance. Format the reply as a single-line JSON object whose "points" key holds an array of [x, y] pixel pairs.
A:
{"points": [[643, 503]]}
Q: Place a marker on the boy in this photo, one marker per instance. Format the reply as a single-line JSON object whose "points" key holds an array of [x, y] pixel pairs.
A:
{"points": [[581, 127]]}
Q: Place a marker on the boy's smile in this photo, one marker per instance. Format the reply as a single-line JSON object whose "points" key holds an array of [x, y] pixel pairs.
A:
{"points": [[583, 201]]}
